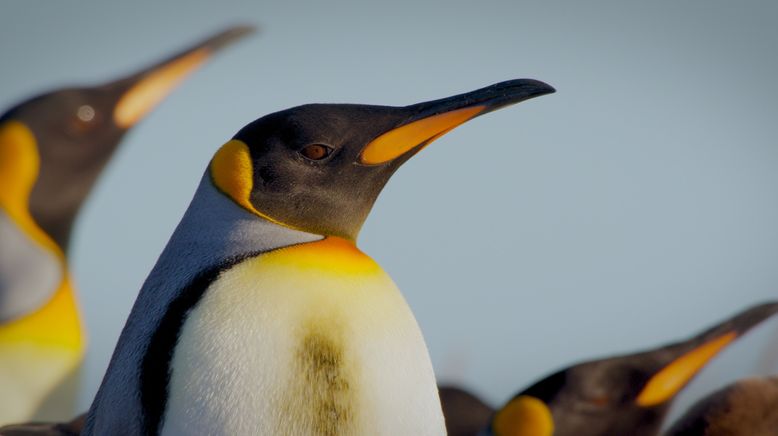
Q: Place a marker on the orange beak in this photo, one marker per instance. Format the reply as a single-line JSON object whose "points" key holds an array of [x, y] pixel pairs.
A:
{"points": [[149, 87], [433, 119]]}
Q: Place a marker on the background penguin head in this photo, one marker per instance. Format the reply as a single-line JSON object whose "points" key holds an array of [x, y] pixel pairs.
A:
{"points": [[628, 394], [320, 167], [76, 130]]}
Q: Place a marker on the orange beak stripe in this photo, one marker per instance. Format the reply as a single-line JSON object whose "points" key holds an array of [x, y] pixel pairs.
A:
{"points": [[152, 89], [400, 140], [666, 383]]}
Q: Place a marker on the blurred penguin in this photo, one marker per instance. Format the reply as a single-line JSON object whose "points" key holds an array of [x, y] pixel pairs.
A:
{"points": [[623, 395], [53, 147]]}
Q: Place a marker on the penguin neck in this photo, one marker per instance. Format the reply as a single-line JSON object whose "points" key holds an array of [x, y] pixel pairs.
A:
{"points": [[19, 172], [213, 233], [219, 230], [32, 265]]}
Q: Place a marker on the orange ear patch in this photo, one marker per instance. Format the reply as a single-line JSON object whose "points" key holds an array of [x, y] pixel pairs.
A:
{"points": [[524, 416], [19, 166], [232, 172], [19, 163]]}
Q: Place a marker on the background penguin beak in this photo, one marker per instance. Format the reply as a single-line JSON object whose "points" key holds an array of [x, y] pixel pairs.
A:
{"points": [[430, 120], [686, 359], [149, 87]]}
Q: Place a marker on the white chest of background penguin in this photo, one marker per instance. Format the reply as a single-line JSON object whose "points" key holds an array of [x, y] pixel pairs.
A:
{"points": [[261, 315]]}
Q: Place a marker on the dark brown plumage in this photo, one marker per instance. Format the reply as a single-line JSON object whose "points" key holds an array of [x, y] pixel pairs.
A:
{"points": [[465, 413], [746, 408]]}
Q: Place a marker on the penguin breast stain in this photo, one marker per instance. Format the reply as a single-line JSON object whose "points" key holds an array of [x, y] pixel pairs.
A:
{"points": [[323, 393]]}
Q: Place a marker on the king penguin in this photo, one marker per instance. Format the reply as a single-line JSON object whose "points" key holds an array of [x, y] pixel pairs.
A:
{"points": [[261, 315], [52, 149], [623, 395]]}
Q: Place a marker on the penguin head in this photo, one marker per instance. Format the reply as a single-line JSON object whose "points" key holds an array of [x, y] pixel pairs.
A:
{"points": [[627, 394], [320, 167], [73, 132]]}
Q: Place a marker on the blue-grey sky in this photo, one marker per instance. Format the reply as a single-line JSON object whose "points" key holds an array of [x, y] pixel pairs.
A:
{"points": [[636, 206]]}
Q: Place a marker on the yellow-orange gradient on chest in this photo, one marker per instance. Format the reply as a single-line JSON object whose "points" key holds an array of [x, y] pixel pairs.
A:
{"points": [[331, 276], [322, 332], [332, 255]]}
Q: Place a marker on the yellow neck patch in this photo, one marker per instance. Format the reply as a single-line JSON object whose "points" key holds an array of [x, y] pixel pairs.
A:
{"points": [[523, 416], [672, 378], [331, 254], [56, 324], [19, 166]]}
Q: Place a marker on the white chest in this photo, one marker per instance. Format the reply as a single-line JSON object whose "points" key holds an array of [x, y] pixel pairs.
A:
{"points": [[29, 274], [309, 340]]}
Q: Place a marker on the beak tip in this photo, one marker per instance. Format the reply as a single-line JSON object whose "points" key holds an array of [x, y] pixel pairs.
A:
{"points": [[228, 36], [142, 91], [511, 92], [532, 87], [548, 89], [240, 30]]}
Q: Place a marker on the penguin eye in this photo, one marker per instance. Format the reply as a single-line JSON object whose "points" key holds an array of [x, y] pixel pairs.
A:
{"points": [[600, 400], [85, 113], [316, 151], [84, 119]]}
